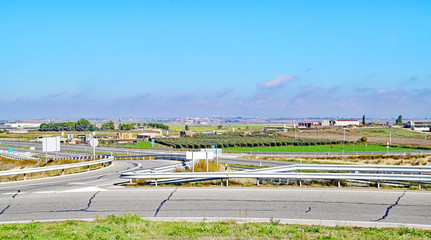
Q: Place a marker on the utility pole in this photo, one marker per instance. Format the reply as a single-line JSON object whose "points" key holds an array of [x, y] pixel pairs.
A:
{"points": [[344, 128], [390, 138]]}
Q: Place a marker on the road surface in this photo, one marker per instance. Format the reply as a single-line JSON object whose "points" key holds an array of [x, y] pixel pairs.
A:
{"points": [[98, 193]]}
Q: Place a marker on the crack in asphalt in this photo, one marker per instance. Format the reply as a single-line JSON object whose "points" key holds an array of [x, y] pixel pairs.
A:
{"points": [[80, 210], [167, 199], [8, 206], [89, 201], [16, 193], [309, 209], [102, 176], [4, 209], [390, 207]]}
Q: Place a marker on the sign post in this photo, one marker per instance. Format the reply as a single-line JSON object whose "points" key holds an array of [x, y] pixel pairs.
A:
{"points": [[51, 144], [94, 143], [387, 147]]}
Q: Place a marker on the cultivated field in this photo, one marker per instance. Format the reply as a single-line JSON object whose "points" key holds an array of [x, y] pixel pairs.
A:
{"points": [[320, 148], [374, 135]]}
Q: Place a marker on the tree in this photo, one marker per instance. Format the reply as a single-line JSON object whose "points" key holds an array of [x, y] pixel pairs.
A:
{"points": [[363, 120], [82, 125], [126, 126], [399, 120], [219, 127], [91, 128], [187, 128], [108, 126]]}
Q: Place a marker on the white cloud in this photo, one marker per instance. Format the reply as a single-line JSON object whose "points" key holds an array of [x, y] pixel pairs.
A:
{"points": [[57, 94], [279, 82], [224, 92]]}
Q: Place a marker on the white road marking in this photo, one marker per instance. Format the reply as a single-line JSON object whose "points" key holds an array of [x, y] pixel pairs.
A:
{"points": [[46, 192], [12, 193], [87, 189]]}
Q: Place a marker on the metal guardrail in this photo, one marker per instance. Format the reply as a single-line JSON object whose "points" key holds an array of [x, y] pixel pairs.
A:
{"points": [[62, 167], [16, 156], [349, 176], [347, 172]]}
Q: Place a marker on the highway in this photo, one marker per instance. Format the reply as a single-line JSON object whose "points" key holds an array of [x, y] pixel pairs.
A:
{"points": [[99, 193]]}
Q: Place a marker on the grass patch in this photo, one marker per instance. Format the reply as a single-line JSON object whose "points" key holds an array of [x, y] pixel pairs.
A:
{"points": [[140, 143], [386, 132], [131, 226], [320, 148]]}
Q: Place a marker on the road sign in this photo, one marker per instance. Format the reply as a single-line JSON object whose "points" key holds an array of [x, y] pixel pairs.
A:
{"points": [[213, 146], [153, 142], [94, 142], [88, 137], [51, 144], [10, 150], [387, 144]]}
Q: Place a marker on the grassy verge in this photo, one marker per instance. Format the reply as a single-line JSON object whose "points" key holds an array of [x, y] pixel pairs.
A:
{"points": [[320, 148], [133, 227]]}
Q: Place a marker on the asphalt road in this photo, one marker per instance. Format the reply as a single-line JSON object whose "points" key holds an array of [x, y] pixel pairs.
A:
{"points": [[92, 194]]}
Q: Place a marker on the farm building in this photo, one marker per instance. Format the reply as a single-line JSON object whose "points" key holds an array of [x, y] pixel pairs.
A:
{"points": [[418, 125]]}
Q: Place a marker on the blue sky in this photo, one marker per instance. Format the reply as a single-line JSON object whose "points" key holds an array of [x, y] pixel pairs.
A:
{"points": [[76, 59]]}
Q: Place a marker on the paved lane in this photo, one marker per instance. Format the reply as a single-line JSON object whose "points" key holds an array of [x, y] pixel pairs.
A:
{"points": [[89, 201]]}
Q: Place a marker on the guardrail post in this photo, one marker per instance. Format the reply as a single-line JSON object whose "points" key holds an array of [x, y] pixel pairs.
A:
{"points": [[62, 171], [420, 181], [257, 181], [227, 182], [88, 168], [156, 181], [25, 176], [300, 181], [339, 179], [378, 181]]}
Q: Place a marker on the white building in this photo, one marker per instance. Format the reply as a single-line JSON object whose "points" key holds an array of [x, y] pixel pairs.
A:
{"points": [[346, 122], [341, 122]]}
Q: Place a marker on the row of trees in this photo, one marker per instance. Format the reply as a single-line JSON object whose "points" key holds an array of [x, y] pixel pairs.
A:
{"points": [[85, 125], [154, 125], [81, 125], [226, 141]]}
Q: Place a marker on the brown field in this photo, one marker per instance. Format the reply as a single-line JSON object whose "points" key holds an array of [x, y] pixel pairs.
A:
{"points": [[337, 134]]}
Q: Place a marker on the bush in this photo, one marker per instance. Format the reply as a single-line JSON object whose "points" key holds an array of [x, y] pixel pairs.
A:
{"points": [[363, 140]]}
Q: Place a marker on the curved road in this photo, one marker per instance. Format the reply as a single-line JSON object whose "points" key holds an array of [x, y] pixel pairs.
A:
{"points": [[91, 194]]}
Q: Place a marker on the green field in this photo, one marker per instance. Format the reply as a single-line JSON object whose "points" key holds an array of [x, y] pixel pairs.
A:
{"points": [[139, 144], [133, 227], [385, 132], [318, 148]]}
